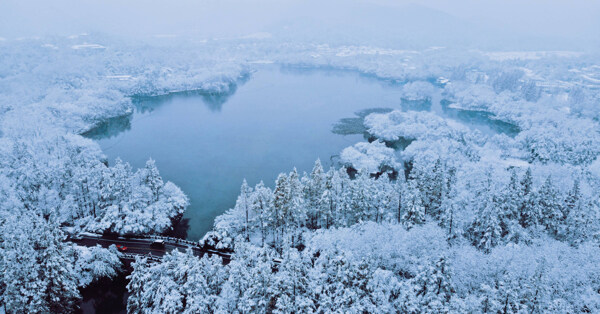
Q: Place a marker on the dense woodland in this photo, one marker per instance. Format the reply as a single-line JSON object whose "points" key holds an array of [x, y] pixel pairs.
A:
{"points": [[307, 223], [52, 187]]}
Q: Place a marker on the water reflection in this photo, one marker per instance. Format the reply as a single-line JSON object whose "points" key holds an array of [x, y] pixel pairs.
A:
{"points": [[416, 105], [212, 100], [355, 125], [370, 78], [110, 128], [145, 104], [479, 118]]}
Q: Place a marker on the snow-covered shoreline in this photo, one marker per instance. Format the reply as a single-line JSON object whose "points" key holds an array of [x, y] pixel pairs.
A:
{"points": [[488, 198]]}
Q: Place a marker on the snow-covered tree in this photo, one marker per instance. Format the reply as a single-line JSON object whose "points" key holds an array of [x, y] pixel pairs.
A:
{"points": [[433, 287], [529, 216], [548, 203], [314, 189], [486, 230], [261, 206], [332, 199], [291, 286], [180, 283], [578, 215], [281, 208], [96, 262], [244, 203], [151, 178], [250, 279], [413, 212], [37, 266], [430, 180]]}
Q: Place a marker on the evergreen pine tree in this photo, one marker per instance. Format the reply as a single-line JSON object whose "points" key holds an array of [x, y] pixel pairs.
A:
{"points": [[510, 201], [281, 208], [315, 188], [548, 203], [430, 182], [291, 287], [528, 215], [244, 202], [433, 287], [152, 179], [413, 210], [486, 230], [577, 215], [330, 197], [262, 207]]}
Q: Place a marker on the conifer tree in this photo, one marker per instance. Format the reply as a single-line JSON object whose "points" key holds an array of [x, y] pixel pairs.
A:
{"points": [[281, 208], [297, 209], [430, 182], [413, 210], [151, 178], [577, 215], [296, 217], [37, 271], [291, 287], [528, 215], [244, 203], [262, 205], [433, 287], [510, 202], [400, 188], [315, 188], [330, 198], [548, 203], [486, 229]]}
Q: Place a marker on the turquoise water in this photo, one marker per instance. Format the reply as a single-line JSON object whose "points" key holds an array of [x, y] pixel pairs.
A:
{"points": [[278, 119]]}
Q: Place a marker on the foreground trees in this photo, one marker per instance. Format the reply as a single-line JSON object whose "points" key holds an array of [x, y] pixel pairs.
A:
{"points": [[37, 269], [51, 185], [509, 209], [382, 268], [63, 176], [430, 243]]}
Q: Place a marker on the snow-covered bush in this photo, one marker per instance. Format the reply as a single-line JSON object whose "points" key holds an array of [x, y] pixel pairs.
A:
{"points": [[388, 246], [64, 177], [419, 90], [410, 125], [549, 277], [574, 141], [371, 157], [96, 262]]}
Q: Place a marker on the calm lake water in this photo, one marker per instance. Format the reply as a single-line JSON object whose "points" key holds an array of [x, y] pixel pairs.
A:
{"points": [[278, 119]]}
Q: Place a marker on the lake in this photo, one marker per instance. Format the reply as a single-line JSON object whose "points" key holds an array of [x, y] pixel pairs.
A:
{"points": [[279, 118]]}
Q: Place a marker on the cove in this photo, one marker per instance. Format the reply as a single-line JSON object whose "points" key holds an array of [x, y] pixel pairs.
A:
{"points": [[279, 118]]}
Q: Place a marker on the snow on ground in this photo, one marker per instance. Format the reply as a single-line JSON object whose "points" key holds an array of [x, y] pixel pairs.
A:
{"points": [[67, 85], [530, 55], [398, 125], [88, 46]]}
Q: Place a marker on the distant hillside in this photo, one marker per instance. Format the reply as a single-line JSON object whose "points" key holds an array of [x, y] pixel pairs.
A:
{"points": [[412, 26]]}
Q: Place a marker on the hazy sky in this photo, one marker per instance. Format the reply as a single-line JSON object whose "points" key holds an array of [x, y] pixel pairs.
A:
{"points": [[574, 19]]}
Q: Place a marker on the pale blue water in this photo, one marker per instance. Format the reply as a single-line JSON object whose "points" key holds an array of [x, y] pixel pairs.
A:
{"points": [[277, 120]]}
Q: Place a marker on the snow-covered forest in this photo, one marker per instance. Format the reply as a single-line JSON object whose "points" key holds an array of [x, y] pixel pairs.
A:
{"points": [[427, 214]]}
